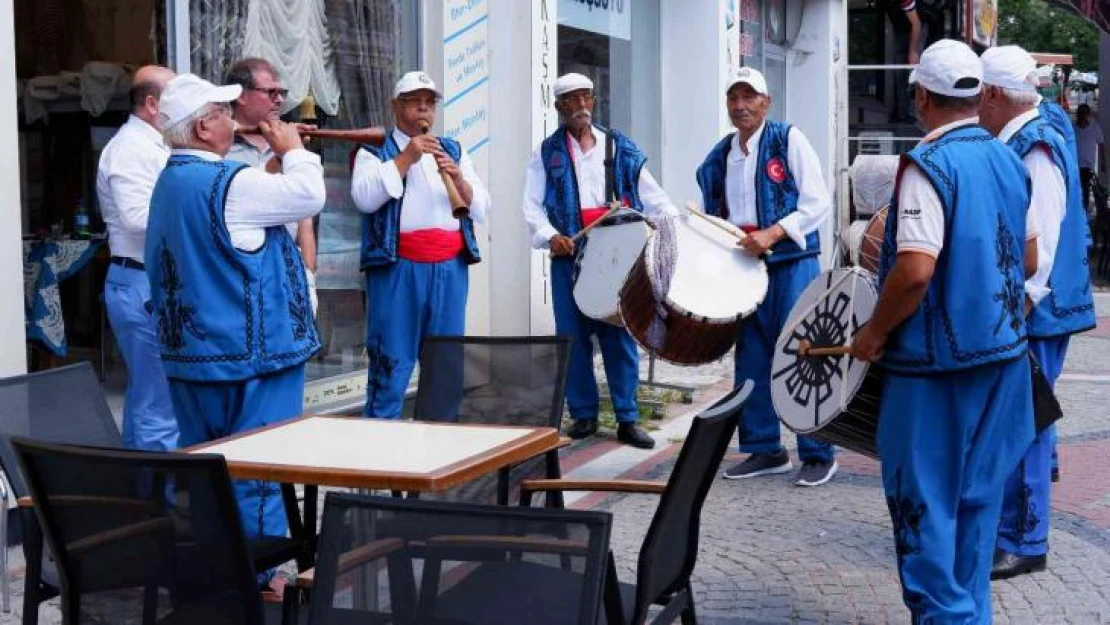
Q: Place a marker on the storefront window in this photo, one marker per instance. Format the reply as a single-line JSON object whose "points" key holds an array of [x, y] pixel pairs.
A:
{"points": [[616, 44]]}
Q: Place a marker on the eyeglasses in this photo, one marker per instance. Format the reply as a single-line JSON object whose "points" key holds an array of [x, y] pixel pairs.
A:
{"points": [[430, 101], [584, 98], [273, 93]]}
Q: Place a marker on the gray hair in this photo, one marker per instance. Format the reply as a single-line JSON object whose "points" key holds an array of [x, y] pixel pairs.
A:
{"points": [[180, 134], [1021, 98]]}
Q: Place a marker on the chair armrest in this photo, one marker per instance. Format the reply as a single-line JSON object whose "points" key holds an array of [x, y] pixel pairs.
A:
{"points": [[609, 486], [350, 559], [535, 544], [564, 442], [122, 533], [25, 502]]}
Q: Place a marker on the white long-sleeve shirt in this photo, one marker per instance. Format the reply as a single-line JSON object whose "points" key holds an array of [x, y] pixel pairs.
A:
{"points": [[426, 204], [589, 170], [1048, 204], [814, 202], [920, 214], [129, 166], [257, 200]]}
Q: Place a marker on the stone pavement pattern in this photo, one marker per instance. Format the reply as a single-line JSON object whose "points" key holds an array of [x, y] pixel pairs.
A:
{"points": [[772, 553]]}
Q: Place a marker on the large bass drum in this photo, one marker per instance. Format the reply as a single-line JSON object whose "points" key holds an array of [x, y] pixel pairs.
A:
{"points": [[604, 259], [831, 398], [689, 289]]}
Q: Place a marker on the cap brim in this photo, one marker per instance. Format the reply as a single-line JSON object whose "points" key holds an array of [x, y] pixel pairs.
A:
{"points": [[748, 83], [439, 96], [913, 76], [226, 93]]}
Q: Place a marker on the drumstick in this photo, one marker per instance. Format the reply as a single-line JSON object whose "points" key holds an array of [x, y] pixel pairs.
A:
{"points": [[805, 348], [614, 206], [739, 234]]}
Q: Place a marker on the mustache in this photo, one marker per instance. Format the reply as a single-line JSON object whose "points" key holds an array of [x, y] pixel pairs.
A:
{"points": [[581, 115]]}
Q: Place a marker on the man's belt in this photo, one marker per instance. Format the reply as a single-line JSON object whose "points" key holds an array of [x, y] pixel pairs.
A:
{"points": [[127, 263]]}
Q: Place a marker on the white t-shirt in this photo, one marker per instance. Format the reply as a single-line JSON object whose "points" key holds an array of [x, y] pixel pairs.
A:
{"points": [[1089, 137]]}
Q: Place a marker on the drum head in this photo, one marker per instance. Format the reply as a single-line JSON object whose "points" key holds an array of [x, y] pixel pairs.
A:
{"points": [[808, 392], [606, 257], [714, 279]]}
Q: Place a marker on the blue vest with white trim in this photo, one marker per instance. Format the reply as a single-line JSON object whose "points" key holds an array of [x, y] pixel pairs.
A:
{"points": [[222, 314]]}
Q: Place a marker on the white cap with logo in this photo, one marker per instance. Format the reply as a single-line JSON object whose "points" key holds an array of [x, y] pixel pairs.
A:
{"points": [[951, 68], [751, 77], [1010, 67], [571, 82], [415, 81], [186, 94]]}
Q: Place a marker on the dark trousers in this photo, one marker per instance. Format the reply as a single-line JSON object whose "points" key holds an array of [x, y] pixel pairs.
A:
{"points": [[1086, 177]]}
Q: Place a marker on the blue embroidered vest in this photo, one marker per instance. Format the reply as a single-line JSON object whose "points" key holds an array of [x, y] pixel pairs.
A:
{"points": [[222, 314], [776, 191], [973, 311], [561, 198], [381, 229], [1070, 307]]}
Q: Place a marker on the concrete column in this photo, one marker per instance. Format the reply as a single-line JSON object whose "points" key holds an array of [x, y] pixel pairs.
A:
{"points": [[13, 350]]}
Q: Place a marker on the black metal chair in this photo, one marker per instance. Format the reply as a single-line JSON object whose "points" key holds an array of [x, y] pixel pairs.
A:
{"points": [[141, 537], [511, 565], [670, 548], [67, 405], [495, 381]]}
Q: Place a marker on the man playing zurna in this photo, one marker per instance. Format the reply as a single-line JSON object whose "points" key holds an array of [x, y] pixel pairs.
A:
{"points": [[564, 191], [766, 179], [415, 252]]}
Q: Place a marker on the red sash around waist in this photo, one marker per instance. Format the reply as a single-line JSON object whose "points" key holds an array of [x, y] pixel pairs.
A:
{"points": [[592, 214], [432, 245], [748, 229]]}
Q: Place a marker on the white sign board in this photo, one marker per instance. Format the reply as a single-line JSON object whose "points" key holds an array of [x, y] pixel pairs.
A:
{"points": [[612, 18], [466, 75]]}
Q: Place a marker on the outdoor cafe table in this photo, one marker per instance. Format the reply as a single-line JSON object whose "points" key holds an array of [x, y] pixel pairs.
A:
{"points": [[364, 453]]}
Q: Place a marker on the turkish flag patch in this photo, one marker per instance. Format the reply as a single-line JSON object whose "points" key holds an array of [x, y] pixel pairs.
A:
{"points": [[776, 171]]}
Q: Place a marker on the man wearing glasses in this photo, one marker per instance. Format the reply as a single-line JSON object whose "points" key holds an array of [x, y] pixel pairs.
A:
{"points": [[228, 289], [564, 191], [261, 101], [415, 252]]}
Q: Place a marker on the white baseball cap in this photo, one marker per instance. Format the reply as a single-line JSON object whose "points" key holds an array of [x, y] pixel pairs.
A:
{"points": [[415, 81], [949, 67], [186, 94], [1009, 67], [571, 82], [751, 77]]}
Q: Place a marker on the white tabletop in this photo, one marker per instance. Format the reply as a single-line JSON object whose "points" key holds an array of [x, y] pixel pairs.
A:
{"points": [[339, 450]]}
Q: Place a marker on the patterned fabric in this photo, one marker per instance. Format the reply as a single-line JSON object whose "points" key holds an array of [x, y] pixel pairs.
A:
{"points": [[217, 29], [45, 264]]}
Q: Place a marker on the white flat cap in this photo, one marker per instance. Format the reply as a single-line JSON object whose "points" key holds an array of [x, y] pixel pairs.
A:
{"points": [[751, 77], [415, 81], [949, 67], [188, 93], [572, 82], [1009, 67]]}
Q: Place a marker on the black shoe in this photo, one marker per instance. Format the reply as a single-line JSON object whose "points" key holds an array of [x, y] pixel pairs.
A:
{"points": [[1055, 474], [1007, 565], [760, 464], [815, 473], [582, 428], [630, 434]]}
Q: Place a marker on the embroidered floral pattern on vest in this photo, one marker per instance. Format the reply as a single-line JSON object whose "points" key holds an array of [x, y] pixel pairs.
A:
{"points": [[298, 302], [175, 318], [1012, 294], [381, 368]]}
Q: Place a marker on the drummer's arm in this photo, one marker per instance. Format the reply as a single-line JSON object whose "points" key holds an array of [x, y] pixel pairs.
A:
{"points": [[534, 213], [814, 202]]}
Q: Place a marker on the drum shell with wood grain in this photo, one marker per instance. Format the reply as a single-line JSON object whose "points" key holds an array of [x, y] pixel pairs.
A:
{"points": [[869, 251], [714, 286], [830, 398], [605, 256]]}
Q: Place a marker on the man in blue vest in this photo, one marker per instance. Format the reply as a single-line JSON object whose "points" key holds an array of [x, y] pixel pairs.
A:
{"points": [[565, 191], [228, 288], [415, 253], [949, 331], [766, 179], [1058, 295]]}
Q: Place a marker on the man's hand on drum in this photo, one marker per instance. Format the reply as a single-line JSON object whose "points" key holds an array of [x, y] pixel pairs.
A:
{"points": [[868, 344], [760, 242], [562, 246]]}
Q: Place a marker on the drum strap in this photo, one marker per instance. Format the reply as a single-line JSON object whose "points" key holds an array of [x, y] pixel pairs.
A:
{"points": [[610, 177]]}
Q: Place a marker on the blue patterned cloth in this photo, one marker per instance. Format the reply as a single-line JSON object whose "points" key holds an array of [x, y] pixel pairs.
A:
{"points": [[45, 264]]}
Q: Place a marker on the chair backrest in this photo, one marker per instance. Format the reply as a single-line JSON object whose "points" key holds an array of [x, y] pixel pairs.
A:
{"points": [[670, 547], [493, 381], [63, 405], [139, 533], [500, 569]]}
